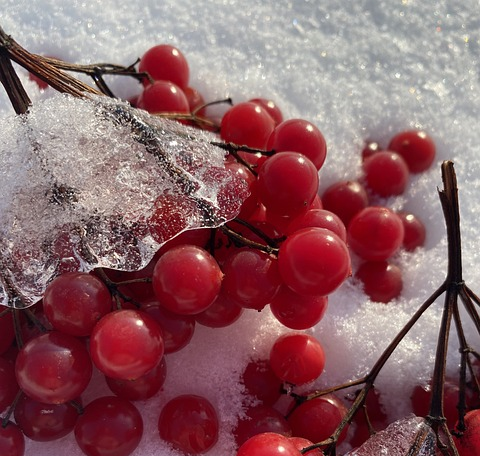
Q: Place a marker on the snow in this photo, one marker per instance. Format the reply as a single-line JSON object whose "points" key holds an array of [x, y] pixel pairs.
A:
{"points": [[358, 70]]}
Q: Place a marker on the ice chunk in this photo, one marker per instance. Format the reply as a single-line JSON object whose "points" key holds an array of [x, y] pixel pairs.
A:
{"points": [[397, 439], [80, 178]]}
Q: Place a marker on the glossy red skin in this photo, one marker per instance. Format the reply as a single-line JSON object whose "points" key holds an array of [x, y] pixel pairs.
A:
{"points": [[415, 231], [165, 62], [416, 147], [382, 281], [247, 124], [299, 135], [189, 423], [268, 444], [163, 96], [44, 422], [221, 313], [301, 443], [53, 368], [297, 311], [126, 344], [260, 419], [186, 279], [375, 233], [317, 419], [177, 330], [386, 173], [297, 358], [320, 218], [251, 278], [12, 441], [271, 107], [261, 382], [287, 183], [346, 199], [141, 388], [314, 261], [109, 426], [73, 302]]}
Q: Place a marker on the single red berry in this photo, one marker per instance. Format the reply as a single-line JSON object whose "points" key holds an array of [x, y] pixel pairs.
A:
{"points": [[386, 173], [382, 281], [416, 147], [165, 62], [247, 124], [375, 233], [297, 358], [189, 423], [346, 199]]}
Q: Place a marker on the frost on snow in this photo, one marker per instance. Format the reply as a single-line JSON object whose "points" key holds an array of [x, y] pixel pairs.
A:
{"points": [[81, 179]]}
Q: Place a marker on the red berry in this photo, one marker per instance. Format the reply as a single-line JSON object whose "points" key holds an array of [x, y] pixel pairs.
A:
{"points": [[54, 368], [370, 149], [297, 358], [346, 199], [261, 382], [416, 147], [314, 261], [386, 173], [126, 344], [247, 124], [298, 135], [260, 419], [177, 330], [186, 279], [317, 419], [189, 423], [44, 422], [251, 278], [320, 218], [165, 62], [163, 96], [271, 107], [73, 302], [297, 311], [382, 281], [414, 231], [469, 443], [268, 444], [375, 233], [141, 388], [12, 441], [109, 426]]}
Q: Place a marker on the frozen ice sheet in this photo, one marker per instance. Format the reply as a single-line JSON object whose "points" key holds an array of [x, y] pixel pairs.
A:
{"points": [[82, 180]]}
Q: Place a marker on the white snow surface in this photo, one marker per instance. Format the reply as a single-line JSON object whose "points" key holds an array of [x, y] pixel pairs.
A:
{"points": [[359, 70]]}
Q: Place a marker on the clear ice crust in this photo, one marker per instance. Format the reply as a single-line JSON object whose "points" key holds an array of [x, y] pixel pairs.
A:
{"points": [[80, 179]]}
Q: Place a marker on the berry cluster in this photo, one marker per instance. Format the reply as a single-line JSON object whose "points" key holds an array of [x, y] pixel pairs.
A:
{"points": [[124, 323], [375, 232], [288, 249]]}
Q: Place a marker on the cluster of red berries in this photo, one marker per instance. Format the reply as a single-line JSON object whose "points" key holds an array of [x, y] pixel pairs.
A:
{"points": [[375, 232], [288, 250]]}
